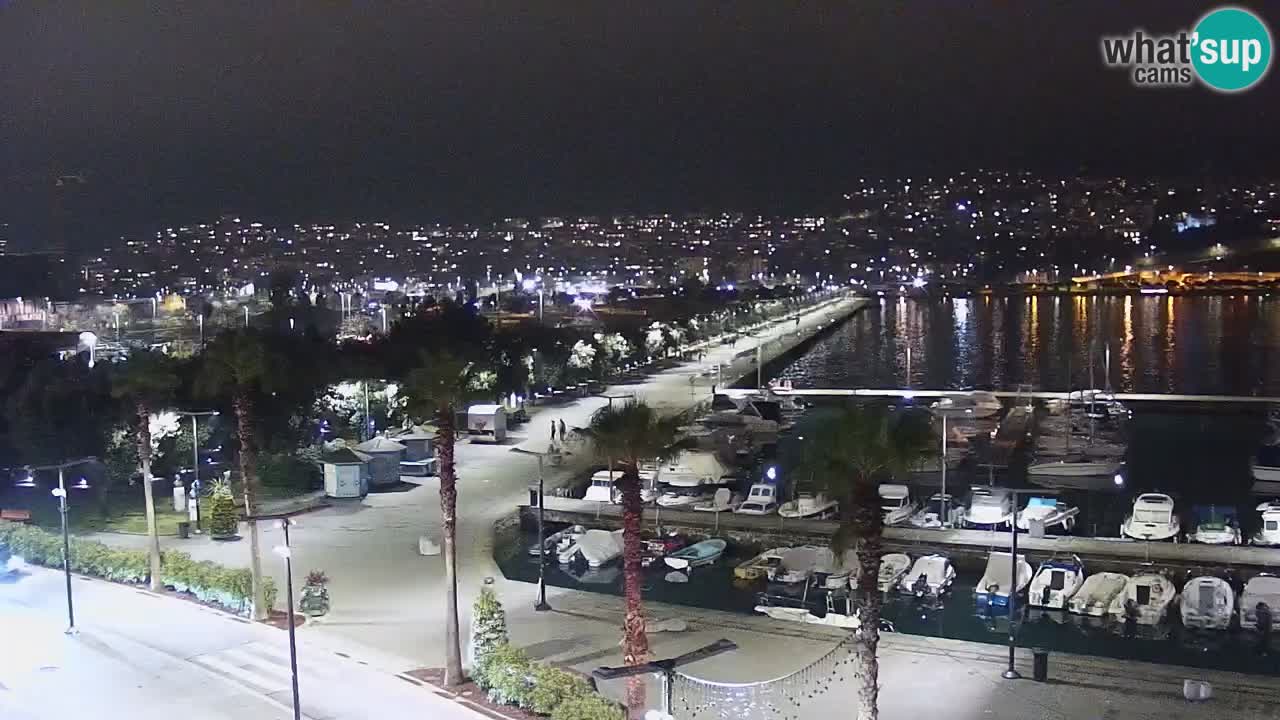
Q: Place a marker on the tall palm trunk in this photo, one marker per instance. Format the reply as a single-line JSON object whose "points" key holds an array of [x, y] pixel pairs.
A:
{"points": [[635, 642], [249, 486], [448, 545], [866, 523], [144, 456]]}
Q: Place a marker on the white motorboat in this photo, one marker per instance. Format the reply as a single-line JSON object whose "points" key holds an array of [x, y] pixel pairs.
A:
{"points": [[976, 403], [744, 415], [558, 542], [834, 573], [722, 501], [896, 504], [681, 497], [1152, 518], [1095, 595], [808, 505], [1207, 602], [797, 565], [1051, 513], [998, 582], [1055, 583], [847, 619], [602, 487], [1077, 466], [931, 515], [1269, 529], [892, 567], [761, 500], [1146, 598], [1096, 396], [693, 468], [989, 507], [929, 575], [1260, 590], [1214, 526], [596, 547]]}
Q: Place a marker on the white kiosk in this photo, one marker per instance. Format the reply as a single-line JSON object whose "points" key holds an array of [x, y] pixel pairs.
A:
{"points": [[488, 421]]}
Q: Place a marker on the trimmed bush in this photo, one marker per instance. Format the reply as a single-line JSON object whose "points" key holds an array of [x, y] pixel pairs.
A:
{"points": [[506, 673], [488, 625], [224, 520], [552, 686], [588, 707], [209, 582]]}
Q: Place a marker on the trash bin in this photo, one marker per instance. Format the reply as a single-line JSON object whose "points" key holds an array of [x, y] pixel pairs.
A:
{"points": [[184, 530], [533, 496], [1040, 664]]}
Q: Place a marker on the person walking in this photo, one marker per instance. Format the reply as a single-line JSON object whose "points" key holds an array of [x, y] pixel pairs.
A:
{"points": [[564, 435], [553, 432]]}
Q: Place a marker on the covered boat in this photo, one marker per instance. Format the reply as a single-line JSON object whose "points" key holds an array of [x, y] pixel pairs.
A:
{"points": [[808, 505], [1152, 518], [694, 468], [989, 507], [557, 542], [1260, 590], [681, 497], [929, 575], [1207, 602], [722, 501], [1146, 598], [895, 503], [797, 565], [835, 572], [1095, 595], [998, 581], [596, 547], [1051, 513], [892, 567], [1055, 583], [696, 555]]}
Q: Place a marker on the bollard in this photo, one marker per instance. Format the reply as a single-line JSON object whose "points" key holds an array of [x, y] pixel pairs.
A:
{"points": [[1040, 664]]}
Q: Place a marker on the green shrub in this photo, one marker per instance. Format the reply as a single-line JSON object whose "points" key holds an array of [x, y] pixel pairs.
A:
{"points": [[505, 673], [209, 582], [588, 707], [488, 625], [552, 686], [224, 520], [288, 472]]}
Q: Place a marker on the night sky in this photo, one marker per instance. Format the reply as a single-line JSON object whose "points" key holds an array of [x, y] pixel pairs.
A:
{"points": [[420, 110]]}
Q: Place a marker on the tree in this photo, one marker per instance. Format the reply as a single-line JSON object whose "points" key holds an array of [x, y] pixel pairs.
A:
{"points": [[146, 381], [488, 625], [628, 434], [436, 389], [236, 364], [849, 456]]}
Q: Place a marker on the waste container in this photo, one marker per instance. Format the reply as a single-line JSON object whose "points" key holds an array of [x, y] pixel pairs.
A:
{"points": [[1040, 664], [184, 530], [533, 496]]}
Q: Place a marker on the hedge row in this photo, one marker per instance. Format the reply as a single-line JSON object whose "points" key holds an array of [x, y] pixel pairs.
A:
{"points": [[511, 677], [207, 581]]}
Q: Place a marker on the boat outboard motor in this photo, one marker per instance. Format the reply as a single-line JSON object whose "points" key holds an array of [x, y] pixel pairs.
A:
{"points": [[1263, 612], [1044, 596], [920, 587]]}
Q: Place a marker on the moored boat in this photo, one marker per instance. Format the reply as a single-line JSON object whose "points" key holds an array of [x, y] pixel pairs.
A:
{"points": [[758, 566], [892, 567], [1146, 599], [896, 504], [1055, 583], [1262, 592], [1095, 595], [999, 582], [1152, 518], [808, 505], [930, 575], [696, 555], [1207, 602]]}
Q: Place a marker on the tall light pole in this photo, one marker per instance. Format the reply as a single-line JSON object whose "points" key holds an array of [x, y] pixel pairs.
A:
{"points": [[286, 551], [60, 492], [542, 604], [195, 456]]}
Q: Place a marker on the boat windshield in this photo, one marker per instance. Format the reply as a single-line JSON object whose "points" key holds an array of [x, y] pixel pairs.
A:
{"points": [[1057, 580], [1272, 524], [1206, 595], [1144, 594], [1151, 516]]}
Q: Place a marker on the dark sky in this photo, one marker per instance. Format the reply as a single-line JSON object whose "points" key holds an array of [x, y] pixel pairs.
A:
{"points": [[469, 109]]}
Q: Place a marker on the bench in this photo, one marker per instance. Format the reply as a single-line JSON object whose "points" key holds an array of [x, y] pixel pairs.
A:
{"points": [[15, 515]]}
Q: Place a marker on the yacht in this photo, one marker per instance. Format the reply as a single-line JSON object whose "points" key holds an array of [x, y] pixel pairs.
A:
{"points": [[1214, 526], [1053, 514], [693, 468], [1095, 595], [896, 504], [998, 581], [1269, 529], [1152, 518], [930, 575], [1055, 583], [1146, 598], [989, 507], [976, 403], [808, 505], [892, 567], [1208, 603], [761, 500], [1260, 590]]}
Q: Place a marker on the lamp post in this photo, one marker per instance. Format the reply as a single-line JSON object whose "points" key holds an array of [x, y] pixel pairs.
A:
{"points": [[541, 605], [286, 551], [195, 457], [944, 513], [1010, 673], [60, 492]]}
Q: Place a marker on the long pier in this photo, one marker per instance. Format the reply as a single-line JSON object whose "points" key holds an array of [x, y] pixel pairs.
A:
{"points": [[1010, 394]]}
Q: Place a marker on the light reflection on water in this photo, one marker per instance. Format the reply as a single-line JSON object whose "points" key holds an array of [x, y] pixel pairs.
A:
{"points": [[1195, 345]]}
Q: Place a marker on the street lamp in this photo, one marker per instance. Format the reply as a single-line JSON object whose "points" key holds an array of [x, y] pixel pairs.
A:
{"points": [[286, 551], [60, 492], [1010, 672], [195, 457], [542, 604]]}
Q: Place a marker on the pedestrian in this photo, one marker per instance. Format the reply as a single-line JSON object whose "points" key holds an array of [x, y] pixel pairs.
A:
{"points": [[553, 432], [564, 435]]}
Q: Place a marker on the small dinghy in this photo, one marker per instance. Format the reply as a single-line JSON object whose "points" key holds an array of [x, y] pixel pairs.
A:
{"points": [[759, 566], [997, 582], [1095, 595], [1207, 603], [930, 575], [892, 567], [1260, 590], [1146, 599], [696, 555], [796, 566], [1055, 583], [808, 505], [557, 542]]}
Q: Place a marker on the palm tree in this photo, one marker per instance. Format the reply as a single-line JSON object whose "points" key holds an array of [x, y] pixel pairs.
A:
{"points": [[147, 380], [627, 435], [236, 363], [848, 457], [436, 389]]}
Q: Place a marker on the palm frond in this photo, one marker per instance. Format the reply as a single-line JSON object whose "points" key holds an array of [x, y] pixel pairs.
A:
{"points": [[632, 432]]}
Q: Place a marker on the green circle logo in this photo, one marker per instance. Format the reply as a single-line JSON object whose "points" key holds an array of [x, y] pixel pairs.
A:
{"points": [[1231, 49]]}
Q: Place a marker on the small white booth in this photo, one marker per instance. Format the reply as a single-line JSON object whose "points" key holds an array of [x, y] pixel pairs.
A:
{"points": [[346, 473], [488, 421], [384, 460]]}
